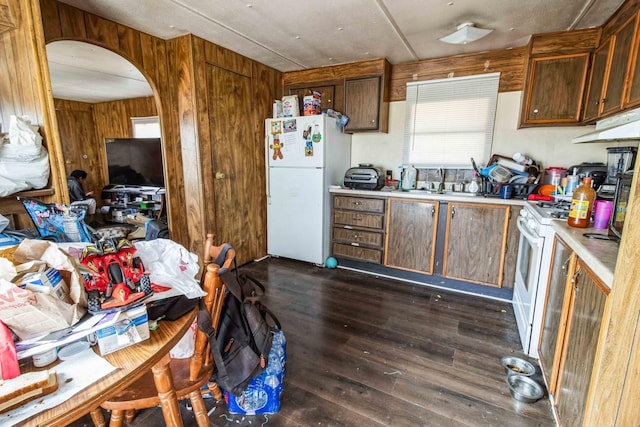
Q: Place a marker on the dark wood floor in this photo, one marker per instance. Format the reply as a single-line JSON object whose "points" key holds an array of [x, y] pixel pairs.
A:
{"points": [[369, 351]]}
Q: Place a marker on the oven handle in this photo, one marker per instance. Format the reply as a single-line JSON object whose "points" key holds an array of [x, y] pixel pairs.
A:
{"points": [[533, 240]]}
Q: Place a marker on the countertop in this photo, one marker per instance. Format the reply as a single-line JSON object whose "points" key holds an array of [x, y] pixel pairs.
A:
{"points": [[599, 255], [426, 196]]}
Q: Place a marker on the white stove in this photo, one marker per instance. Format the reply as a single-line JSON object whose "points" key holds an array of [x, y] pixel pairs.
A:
{"points": [[532, 270]]}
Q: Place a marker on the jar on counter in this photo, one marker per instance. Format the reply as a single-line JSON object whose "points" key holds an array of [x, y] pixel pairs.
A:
{"points": [[582, 205]]}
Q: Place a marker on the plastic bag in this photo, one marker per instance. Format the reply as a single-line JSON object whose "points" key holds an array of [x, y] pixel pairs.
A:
{"points": [[185, 347], [25, 143], [171, 265], [61, 223], [20, 175]]}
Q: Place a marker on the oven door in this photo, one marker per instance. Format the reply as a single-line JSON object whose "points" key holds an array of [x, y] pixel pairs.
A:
{"points": [[526, 284]]}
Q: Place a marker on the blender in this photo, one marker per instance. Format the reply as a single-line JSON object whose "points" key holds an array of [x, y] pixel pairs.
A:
{"points": [[619, 160]]}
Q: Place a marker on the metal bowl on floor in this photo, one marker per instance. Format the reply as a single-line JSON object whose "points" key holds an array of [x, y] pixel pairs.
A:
{"points": [[524, 388], [516, 365]]}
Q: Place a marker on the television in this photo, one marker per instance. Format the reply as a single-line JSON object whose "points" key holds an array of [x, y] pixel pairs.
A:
{"points": [[135, 161]]}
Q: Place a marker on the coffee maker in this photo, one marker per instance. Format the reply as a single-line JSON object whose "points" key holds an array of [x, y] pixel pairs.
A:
{"points": [[619, 160]]}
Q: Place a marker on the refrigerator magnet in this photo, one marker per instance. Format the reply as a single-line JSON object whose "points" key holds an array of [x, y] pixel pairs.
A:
{"points": [[276, 127], [277, 148], [289, 125], [308, 148], [316, 136]]}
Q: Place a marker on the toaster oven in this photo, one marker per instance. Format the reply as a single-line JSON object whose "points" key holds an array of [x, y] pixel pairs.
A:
{"points": [[364, 177]]}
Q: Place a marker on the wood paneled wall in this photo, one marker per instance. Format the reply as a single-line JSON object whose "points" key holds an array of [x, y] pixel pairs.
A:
{"points": [[509, 62], [153, 58], [24, 90], [208, 208]]}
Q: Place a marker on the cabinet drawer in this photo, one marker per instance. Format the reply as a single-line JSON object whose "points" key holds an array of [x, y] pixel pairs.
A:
{"points": [[366, 238], [358, 219], [359, 204], [357, 252]]}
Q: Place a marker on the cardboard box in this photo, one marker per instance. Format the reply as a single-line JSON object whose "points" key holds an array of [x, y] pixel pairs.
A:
{"points": [[130, 327], [47, 280]]}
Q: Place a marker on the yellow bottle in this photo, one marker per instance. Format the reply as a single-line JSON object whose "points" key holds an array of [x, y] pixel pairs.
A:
{"points": [[582, 204]]}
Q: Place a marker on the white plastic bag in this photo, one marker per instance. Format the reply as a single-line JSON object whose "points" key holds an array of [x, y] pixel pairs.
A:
{"points": [[24, 141], [171, 265], [19, 175], [185, 347]]}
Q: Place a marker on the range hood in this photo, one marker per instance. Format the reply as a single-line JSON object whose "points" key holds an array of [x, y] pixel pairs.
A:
{"points": [[621, 127]]}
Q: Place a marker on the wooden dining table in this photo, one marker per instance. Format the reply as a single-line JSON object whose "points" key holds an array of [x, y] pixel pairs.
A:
{"points": [[131, 363]]}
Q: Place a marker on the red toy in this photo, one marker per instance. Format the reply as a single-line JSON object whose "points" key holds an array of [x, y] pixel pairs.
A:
{"points": [[116, 278]]}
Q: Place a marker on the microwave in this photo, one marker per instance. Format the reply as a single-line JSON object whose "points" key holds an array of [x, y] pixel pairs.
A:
{"points": [[620, 201]]}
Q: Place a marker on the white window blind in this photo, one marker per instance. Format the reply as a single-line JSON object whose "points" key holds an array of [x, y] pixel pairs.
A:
{"points": [[146, 127], [450, 120]]}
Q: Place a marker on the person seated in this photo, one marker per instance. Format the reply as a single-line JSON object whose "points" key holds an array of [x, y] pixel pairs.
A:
{"points": [[77, 194]]}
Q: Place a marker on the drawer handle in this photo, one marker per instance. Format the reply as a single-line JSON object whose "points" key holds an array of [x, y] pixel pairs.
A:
{"points": [[357, 203], [355, 236], [355, 244]]}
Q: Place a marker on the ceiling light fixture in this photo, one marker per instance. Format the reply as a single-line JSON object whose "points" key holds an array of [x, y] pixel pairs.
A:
{"points": [[466, 33]]}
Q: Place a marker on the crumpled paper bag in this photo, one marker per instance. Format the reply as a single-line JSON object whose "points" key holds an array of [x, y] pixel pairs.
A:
{"points": [[32, 314]]}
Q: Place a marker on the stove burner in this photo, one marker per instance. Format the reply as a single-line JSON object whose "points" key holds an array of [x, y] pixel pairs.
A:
{"points": [[560, 214], [557, 204]]}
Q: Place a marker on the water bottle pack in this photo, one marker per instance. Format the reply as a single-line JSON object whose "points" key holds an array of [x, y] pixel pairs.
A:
{"points": [[262, 395]]}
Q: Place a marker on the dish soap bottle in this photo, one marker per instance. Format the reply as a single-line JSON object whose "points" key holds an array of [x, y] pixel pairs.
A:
{"points": [[409, 176], [474, 186], [582, 204]]}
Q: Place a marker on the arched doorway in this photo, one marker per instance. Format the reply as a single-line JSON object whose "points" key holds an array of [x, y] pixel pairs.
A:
{"points": [[98, 94]]}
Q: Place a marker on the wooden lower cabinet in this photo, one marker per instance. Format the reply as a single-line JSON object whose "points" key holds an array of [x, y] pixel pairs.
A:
{"points": [[476, 239], [585, 310], [554, 318], [411, 234], [358, 228]]}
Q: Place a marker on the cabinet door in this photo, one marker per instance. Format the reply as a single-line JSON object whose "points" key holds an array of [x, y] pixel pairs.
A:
{"points": [[588, 298], [555, 89], [596, 84], [622, 40], [328, 94], [475, 242], [362, 103], [555, 318], [633, 88], [411, 234]]}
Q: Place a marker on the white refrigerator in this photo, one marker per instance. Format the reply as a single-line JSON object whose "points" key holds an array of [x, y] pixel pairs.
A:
{"points": [[305, 156]]}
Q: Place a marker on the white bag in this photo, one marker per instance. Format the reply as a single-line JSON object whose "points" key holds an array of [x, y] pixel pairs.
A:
{"points": [[171, 265], [186, 346], [24, 141], [19, 175]]}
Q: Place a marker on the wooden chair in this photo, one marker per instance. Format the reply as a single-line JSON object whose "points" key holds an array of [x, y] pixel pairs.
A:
{"points": [[189, 375]]}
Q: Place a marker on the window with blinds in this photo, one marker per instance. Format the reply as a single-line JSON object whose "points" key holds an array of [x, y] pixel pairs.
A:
{"points": [[450, 120]]}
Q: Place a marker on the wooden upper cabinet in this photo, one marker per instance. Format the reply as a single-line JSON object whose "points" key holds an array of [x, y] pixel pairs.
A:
{"points": [[619, 64], [610, 73], [555, 89], [361, 91], [632, 95], [362, 104], [327, 92], [596, 84]]}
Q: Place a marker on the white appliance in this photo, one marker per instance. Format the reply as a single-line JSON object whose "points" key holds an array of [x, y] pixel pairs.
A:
{"points": [[305, 156], [532, 268]]}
